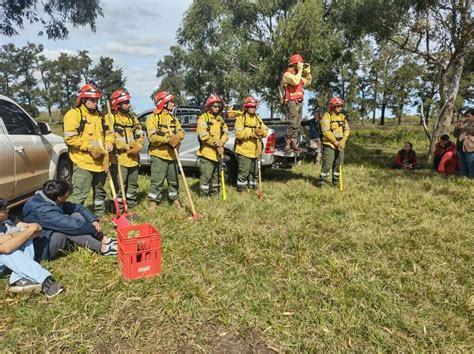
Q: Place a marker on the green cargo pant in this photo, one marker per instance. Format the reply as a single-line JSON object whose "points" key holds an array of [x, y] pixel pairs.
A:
{"points": [[160, 170], [83, 180], [247, 176], [331, 159], [294, 113], [209, 180], [130, 181]]}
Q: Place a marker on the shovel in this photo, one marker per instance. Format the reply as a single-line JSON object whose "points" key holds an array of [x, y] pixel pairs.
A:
{"points": [[194, 215], [118, 220], [223, 188]]}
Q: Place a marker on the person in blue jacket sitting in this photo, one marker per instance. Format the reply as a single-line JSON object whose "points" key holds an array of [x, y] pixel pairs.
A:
{"points": [[64, 223], [315, 135]]}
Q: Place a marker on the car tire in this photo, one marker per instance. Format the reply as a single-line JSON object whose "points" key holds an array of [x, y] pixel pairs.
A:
{"points": [[230, 168], [64, 170]]}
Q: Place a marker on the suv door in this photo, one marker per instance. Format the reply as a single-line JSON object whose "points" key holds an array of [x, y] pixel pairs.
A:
{"points": [[7, 170], [31, 151]]}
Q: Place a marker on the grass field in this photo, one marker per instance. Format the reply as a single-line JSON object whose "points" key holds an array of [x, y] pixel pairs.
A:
{"points": [[385, 265]]}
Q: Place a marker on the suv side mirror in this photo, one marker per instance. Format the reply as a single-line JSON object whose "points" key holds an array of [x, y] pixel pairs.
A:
{"points": [[44, 128]]}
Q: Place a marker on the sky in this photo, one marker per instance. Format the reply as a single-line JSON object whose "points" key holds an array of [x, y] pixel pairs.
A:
{"points": [[135, 33]]}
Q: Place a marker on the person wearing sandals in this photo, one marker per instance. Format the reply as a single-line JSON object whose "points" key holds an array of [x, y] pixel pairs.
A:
{"points": [[64, 224], [17, 255]]}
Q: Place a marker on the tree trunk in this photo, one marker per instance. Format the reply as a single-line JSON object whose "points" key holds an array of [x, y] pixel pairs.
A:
{"points": [[448, 97], [382, 115]]}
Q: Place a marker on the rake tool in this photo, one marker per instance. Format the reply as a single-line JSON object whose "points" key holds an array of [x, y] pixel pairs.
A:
{"points": [[194, 215], [118, 220], [340, 178]]}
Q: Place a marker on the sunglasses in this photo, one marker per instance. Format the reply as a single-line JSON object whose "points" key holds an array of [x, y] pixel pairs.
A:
{"points": [[126, 102], [216, 106]]}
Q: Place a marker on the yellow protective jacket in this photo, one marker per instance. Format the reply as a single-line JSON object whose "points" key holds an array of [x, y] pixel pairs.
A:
{"points": [[246, 144], [158, 134], [127, 132], [334, 127], [83, 130], [210, 128]]}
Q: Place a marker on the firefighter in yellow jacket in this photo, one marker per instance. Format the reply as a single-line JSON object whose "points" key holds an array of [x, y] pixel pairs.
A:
{"points": [[295, 78], [89, 140], [128, 135], [212, 135], [335, 130], [249, 129], [164, 134]]}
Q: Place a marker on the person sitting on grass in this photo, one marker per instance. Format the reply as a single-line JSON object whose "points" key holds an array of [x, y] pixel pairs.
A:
{"points": [[17, 254], [445, 158], [64, 223], [406, 158]]}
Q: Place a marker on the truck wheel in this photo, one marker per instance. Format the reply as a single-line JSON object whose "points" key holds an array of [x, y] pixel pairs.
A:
{"points": [[64, 171], [230, 168]]}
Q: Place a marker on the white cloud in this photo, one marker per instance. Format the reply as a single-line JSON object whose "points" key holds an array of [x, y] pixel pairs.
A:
{"points": [[135, 50], [53, 54]]}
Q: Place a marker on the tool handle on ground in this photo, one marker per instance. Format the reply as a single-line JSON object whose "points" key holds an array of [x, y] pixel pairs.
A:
{"points": [[340, 178], [122, 186], [112, 186], [223, 188], [188, 193], [259, 165]]}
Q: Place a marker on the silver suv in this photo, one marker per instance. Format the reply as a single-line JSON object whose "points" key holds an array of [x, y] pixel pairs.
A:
{"points": [[29, 153]]}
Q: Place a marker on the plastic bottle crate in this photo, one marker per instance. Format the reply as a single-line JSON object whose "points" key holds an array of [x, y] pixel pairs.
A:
{"points": [[148, 238], [139, 257]]}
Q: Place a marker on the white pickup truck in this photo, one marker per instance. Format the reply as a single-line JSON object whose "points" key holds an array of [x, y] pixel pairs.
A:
{"points": [[29, 153], [188, 115]]}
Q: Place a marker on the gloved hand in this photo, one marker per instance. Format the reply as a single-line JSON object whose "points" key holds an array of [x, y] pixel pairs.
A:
{"points": [[300, 66], [307, 69], [342, 144], [96, 152], [175, 140], [220, 151], [135, 149], [218, 143], [155, 139], [121, 145], [260, 132]]}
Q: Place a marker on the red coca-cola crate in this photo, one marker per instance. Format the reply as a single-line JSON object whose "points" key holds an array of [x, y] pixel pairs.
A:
{"points": [[134, 238], [140, 256]]}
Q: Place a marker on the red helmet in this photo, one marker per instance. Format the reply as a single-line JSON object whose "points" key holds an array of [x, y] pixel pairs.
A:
{"points": [[162, 98], [119, 96], [249, 102], [87, 91], [336, 101], [212, 99], [295, 59]]}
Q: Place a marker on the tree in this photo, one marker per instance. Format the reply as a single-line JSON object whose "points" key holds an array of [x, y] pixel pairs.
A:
{"points": [[53, 15], [403, 85], [26, 85], [8, 53], [65, 80], [440, 32], [107, 78]]}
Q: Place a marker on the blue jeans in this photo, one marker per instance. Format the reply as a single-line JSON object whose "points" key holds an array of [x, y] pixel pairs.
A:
{"points": [[22, 264], [467, 163]]}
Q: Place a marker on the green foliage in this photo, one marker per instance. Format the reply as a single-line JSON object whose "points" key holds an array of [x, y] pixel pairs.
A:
{"points": [[53, 15], [106, 76]]}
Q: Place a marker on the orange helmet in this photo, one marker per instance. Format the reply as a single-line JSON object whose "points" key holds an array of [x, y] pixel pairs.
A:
{"points": [[336, 101], [212, 99], [250, 102], [295, 59], [87, 91], [119, 96], [162, 98]]}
